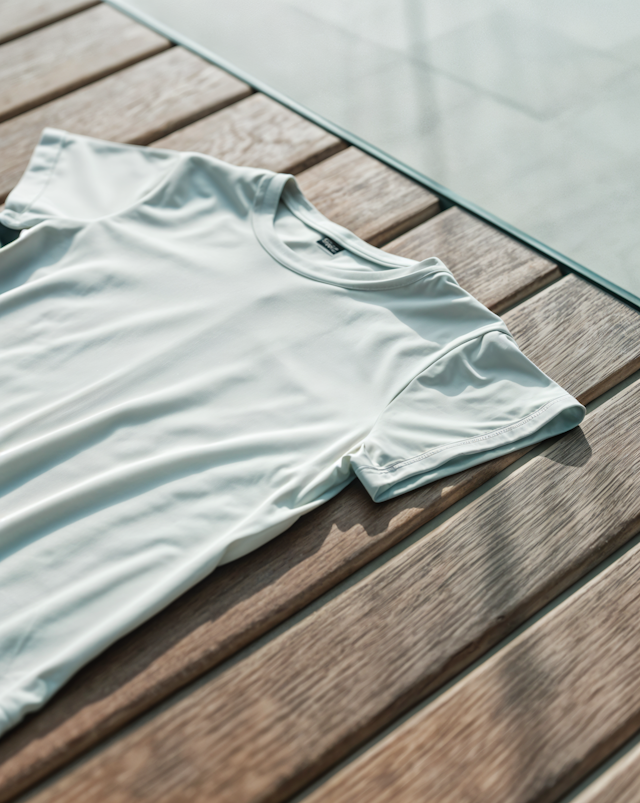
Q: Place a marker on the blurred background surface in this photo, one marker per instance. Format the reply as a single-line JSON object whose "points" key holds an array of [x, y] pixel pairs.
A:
{"points": [[529, 109]]}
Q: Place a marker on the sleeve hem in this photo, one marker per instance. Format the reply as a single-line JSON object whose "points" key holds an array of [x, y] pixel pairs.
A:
{"points": [[558, 415]]}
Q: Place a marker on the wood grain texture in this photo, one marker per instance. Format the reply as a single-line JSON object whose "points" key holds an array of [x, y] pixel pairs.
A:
{"points": [[257, 132], [619, 784], [243, 600], [558, 340], [341, 187], [448, 236], [23, 16], [268, 725], [546, 709], [66, 55], [137, 105]]}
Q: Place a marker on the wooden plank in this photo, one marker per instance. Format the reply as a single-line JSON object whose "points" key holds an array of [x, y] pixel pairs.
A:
{"points": [[558, 338], [23, 16], [540, 714], [619, 784], [66, 55], [341, 187], [136, 105], [264, 728], [245, 599], [257, 132], [493, 253]]}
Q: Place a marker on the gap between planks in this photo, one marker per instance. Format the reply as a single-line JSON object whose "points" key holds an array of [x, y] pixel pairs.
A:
{"points": [[24, 16], [615, 781], [257, 132]]}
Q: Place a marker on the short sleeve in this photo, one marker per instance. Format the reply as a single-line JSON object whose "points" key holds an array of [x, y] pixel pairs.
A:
{"points": [[478, 401], [80, 178]]}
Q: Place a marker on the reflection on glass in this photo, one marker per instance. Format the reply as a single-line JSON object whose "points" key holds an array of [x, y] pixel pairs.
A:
{"points": [[531, 110]]}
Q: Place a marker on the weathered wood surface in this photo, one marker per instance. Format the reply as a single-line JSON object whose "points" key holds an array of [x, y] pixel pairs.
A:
{"points": [[268, 725], [558, 336], [257, 132], [23, 16], [137, 105], [546, 709], [66, 55], [448, 236], [245, 599], [341, 188], [619, 784]]}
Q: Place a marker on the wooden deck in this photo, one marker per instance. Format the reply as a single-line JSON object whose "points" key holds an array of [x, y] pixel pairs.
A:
{"points": [[315, 663]]}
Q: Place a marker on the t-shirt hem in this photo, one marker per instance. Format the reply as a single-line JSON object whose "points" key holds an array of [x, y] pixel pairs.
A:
{"points": [[34, 180]]}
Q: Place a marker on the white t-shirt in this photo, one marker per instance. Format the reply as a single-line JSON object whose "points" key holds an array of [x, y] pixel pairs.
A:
{"points": [[193, 357]]}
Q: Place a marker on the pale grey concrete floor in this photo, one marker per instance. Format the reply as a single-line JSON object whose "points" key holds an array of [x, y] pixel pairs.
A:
{"points": [[528, 108]]}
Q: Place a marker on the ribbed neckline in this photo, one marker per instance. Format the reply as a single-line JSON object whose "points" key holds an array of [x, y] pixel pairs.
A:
{"points": [[397, 271]]}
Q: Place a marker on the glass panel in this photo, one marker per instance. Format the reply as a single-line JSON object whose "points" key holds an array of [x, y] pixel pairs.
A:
{"points": [[529, 109]]}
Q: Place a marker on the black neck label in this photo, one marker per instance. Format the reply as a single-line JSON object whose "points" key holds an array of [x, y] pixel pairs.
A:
{"points": [[330, 245]]}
